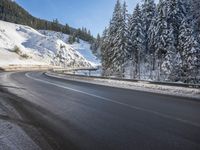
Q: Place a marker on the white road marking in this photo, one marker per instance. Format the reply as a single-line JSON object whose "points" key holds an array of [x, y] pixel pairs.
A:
{"points": [[116, 102]]}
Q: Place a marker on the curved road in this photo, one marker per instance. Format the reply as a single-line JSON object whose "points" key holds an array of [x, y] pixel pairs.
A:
{"points": [[93, 117]]}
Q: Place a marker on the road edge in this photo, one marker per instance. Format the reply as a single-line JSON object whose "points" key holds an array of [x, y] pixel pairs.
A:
{"points": [[103, 82]]}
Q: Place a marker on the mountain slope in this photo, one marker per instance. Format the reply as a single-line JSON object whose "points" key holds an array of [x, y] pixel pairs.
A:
{"points": [[12, 12], [83, 47], [28, 46]]}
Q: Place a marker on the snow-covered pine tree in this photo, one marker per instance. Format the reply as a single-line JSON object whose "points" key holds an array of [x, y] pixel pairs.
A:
{"points": [[105, 60], [152, 42], [190, 52], [117, 32], [164, 34], [176, 73], [161, 36], [195, 5], [136, 36], [121, 43], [95, 46], [98, 44], [195, 16], [176, 13], [170, 59], [71, 39], [148, 13], [112, 34]]}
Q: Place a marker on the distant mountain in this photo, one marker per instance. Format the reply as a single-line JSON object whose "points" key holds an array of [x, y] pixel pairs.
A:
{"points": [[10, 11]]}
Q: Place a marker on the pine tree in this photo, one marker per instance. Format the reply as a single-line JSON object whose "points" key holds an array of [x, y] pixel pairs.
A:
{"points": [[176, 13], [136, 36], [161, 35], [190, 53], [72, 39], [117, 45], [195, 5], [176, 74], [66, 29], [95, 47], [148, 13], [105, 60], [121, 46], [165, 37], [170, 57], [161, 30], [152, 32], [112, 34]]}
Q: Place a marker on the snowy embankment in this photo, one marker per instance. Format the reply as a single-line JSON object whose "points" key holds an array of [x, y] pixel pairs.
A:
{"points": [[16, 133], [140, 86], [23, 45]]}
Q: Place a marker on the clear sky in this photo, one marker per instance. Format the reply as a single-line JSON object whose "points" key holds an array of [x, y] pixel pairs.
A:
{"points": [[92, 14]]}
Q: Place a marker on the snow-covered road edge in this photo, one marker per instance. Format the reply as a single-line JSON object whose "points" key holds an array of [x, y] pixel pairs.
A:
{"points": [[139, 86], [17, 133]]}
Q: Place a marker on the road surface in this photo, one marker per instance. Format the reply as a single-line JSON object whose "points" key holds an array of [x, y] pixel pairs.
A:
{"points": [[86, 116]]}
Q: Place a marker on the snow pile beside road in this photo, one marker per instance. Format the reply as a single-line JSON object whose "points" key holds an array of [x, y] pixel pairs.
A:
{"points": [[21, 44]]}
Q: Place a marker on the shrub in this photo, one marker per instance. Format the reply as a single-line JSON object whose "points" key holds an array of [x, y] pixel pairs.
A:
{"points": [[17, 50], [24, 56]]}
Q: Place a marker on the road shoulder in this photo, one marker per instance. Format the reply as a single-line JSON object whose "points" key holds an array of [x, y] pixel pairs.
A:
{"points": [[16, 131], [192, 93]]}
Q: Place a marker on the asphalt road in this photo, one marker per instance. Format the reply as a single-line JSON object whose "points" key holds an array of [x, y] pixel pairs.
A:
{"points": [[93, 117]]}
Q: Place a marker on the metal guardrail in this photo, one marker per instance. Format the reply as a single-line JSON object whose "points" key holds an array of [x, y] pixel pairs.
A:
{"points": [[135, 80], [20, 67], [78, 69]]}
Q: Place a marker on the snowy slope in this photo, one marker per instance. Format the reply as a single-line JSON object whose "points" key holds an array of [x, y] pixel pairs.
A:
{"points": [[38, 48], [82, 47]]}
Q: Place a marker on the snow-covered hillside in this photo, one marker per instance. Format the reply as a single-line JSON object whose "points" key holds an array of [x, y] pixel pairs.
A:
{"points": [[23, 45], [82, 47]]}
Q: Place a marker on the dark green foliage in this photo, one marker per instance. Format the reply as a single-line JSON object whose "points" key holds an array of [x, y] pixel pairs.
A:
{"points": [[16, 50], [25, 56], [72, 39], [84, 34], [12, 12]]}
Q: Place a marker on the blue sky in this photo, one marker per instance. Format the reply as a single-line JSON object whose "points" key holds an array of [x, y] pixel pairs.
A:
{"points": [[93, 14]]}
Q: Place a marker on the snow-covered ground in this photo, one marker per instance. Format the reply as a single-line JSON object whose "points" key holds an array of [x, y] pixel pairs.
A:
{"points": [[82, 47], [39, 49], [140, 86], [15, 133], [10, 58]]}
